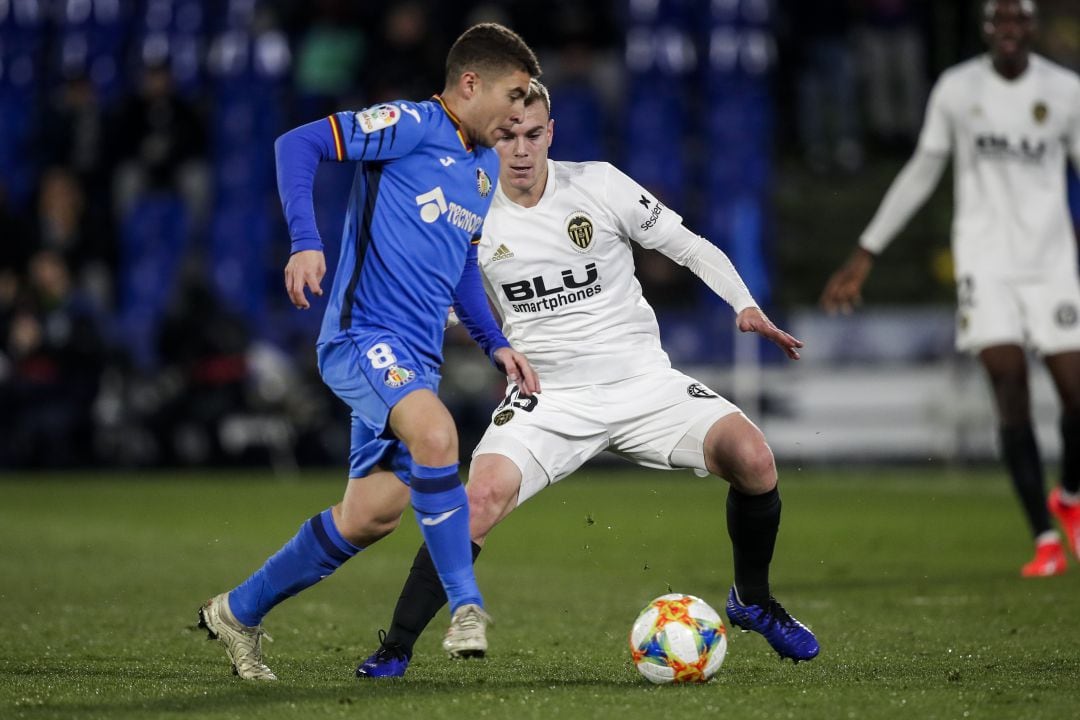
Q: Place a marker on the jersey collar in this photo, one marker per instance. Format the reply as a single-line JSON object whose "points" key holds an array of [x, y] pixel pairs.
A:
{"points": [[454, 119]]}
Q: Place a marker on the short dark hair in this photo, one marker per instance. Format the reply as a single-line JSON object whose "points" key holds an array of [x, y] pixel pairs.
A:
{"points": [[537, 92], [490, 48], [1027, 6]]}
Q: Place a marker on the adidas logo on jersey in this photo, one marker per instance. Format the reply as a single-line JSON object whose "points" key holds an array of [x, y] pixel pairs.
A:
{"points": [[502, 253]]}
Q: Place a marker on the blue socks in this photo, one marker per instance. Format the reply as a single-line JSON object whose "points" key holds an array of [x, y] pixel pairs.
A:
{"points": [[318, 549], [315, 552], [442, 510]]}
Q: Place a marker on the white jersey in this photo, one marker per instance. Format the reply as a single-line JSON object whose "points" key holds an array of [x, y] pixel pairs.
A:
{"points": [[1010, 141], [561, 274]]}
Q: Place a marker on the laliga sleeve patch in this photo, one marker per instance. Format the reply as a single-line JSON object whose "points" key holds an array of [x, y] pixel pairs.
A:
{"points": [[377, 118]]}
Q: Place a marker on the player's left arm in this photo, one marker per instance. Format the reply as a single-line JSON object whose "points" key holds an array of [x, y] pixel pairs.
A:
{"points": [[751, 319], [652, 225], [474, 312], [716, 270]]}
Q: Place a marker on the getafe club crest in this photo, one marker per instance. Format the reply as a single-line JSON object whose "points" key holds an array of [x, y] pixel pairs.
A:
{"points": [[580, 229], [483, 183], [1040, 112], [396, 376]]}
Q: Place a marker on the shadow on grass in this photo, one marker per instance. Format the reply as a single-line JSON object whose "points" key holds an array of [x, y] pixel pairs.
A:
{"points": [[905, 582], [231, 695]]}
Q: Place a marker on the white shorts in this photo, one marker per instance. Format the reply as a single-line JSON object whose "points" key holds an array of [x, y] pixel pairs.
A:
{"points": [[657, 420], [1043, 314]]}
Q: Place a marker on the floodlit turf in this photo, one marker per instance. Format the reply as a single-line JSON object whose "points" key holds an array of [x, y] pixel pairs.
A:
{"points": [[909, 577]]}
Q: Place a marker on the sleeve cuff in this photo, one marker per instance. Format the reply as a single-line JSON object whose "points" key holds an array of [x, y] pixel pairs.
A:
{"points": [[872, 245], [498, 345], [306, 244], [747, 302]]}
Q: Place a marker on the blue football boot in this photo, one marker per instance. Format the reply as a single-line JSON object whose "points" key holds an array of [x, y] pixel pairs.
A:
{"points": [[389, 661], [788, 636]]}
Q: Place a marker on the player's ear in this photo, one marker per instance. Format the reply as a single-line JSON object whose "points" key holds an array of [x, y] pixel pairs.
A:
{"points": [[468, 84], [551, 131]]}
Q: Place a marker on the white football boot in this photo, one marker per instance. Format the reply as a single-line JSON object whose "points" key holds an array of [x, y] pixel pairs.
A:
{"points": [[242, 644], [467, 636]]}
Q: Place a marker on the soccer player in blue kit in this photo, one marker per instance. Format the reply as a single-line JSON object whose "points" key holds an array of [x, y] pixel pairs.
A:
{"points": [[424, 181]]}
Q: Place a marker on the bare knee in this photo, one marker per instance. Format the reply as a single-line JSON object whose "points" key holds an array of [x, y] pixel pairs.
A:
{"points": [[751, 469], [363, 534], [493, 490], [485, 500], [426, 427], [1011, 396], [435, 445], [362, 528], [1006, 369]]}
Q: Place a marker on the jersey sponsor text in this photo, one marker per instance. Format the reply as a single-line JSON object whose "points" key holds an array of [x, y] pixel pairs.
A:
{"points": [[555, 296]]}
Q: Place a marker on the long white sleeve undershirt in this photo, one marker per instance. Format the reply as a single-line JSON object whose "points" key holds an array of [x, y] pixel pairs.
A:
{"points": [[906, 195], [709, 263]]}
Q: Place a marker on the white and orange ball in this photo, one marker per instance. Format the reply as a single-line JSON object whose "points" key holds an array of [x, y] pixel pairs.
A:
{"points": [[678, 639]]}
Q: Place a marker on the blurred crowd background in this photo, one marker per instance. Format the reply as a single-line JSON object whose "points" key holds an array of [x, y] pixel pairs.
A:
{"points": [[143, 320]]}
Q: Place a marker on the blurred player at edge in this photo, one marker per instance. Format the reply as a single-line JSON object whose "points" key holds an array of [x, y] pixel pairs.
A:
{"points": [[557, 263], [1009, 118], [424, 180]]}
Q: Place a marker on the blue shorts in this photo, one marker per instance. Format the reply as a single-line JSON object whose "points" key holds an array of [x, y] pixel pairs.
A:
{"points": [[371, 370]]}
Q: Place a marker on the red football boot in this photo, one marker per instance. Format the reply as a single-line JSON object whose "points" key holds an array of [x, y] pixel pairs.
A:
{"points": [[1068, 516], [1049, 560]]}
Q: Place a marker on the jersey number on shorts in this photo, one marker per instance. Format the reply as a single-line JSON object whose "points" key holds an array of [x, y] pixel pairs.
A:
{"points": [[381, 356]]}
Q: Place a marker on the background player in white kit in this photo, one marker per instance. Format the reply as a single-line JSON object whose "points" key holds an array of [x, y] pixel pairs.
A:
{"points": [[557, 263], [1009, 118]]}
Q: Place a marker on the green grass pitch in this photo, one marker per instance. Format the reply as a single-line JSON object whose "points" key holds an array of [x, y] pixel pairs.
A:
{"points": [[908, 576]]}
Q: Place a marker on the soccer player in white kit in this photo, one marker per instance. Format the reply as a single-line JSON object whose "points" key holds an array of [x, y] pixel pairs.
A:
{"points": [[1009, 119], [557, 262]]}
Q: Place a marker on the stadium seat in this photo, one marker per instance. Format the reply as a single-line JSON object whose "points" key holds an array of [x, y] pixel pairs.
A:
{"points": [[90, 38], [153, 241], [580, 114]]}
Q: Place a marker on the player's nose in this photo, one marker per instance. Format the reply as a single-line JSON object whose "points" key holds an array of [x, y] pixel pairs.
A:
{"points": [[517, 111]]}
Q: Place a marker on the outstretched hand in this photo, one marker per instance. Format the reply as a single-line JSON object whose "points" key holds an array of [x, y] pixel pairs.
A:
{"points": [[304, 270], [518, 370], [843, 291], [751, 319]]}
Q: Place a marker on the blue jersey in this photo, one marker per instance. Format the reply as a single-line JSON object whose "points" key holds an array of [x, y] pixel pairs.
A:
{"points": [[418, 200]]}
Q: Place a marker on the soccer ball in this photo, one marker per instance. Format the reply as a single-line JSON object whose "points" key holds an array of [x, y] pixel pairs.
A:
{"points": [[678, 639]]}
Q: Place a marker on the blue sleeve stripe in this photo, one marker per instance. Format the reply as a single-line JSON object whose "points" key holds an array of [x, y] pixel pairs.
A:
{"points": [[372, 177]]}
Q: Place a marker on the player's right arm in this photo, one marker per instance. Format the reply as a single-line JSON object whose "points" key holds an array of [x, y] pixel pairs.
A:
{"points": [[905, 196], [383, 132], [472, 309]]}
